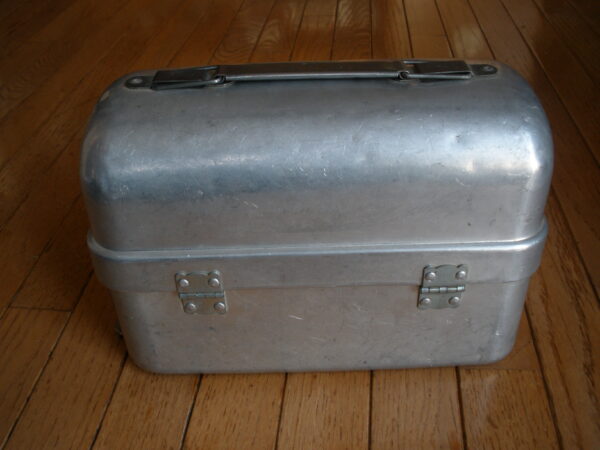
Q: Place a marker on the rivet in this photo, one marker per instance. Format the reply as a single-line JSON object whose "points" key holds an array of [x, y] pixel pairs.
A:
{"points": [[430, 276], [190, 307], [424, 302], [184, 282], [214, 282], [454, 301], [136, 80], [220, 307], [461, 274]]}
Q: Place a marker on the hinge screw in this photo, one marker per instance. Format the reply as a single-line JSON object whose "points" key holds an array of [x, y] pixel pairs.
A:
{"points": [[461, 274], [430, 276], [190, 307], [454, 301], [184, 282], [214, 282], [424, 302], [220, 307]]}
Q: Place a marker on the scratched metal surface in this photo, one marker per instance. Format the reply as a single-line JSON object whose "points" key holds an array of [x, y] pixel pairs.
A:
{"points": [[317, 162]]}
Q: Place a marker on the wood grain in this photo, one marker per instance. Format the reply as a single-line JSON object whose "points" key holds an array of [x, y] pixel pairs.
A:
{"points": [[50, 48], [390, 30], [206, 37], [315, 35], [589, 10], [352, 39], [464, 34], [147, 411], [243, 33], [575, 170], [24, 237], [20, 20], [173, 34], [505, 410], [26, 340], [31, 111], [72, 394], [321, 8], [325, 410], [279, 34], [63, 268], [565, 318], [38, 218], [415, 409], [19, 175], [574, 86], [38, 107], [576, 33], [236, 411], [428, 38]]}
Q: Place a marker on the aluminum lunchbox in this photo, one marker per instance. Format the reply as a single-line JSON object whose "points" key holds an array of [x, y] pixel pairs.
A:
{"points": [[317, 216]]}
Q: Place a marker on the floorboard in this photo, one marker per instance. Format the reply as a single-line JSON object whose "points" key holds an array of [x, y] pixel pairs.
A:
{"points": [[27, 338], [147, 411], [575, 169], [73, 392], [314, 40], [236, 411], [325, 410], [416, 409], [574, 86], [579, 37]]}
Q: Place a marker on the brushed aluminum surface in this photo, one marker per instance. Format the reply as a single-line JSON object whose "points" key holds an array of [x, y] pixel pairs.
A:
{"points": [[319, 203], [306, 329], [317, 162]]}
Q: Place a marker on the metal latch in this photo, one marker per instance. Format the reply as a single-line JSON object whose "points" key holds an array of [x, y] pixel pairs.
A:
{"points": [[201, 292], [442, 286]]}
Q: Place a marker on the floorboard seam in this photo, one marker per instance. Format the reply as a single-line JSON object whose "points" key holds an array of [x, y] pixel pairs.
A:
{"points": [[262, 29], [109, 401], [560, 34], [35, 383], [461, 409], [544, 380], [280, 419], [575, 246], [543, 70], [293, 46], [335, 19], [188, 418]]}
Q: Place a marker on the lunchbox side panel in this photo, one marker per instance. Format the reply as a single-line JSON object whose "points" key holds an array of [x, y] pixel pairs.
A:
{"points": [[314, 329]]}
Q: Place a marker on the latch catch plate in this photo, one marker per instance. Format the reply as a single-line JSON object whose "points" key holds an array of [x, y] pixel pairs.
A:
{"points": [[201, 292], [442, 286]]}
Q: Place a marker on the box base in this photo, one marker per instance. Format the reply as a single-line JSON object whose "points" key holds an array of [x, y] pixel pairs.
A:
{"points": [[320, 329]]}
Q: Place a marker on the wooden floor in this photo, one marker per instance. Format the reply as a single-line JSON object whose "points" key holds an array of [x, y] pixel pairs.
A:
{"points": [[65, 378]]}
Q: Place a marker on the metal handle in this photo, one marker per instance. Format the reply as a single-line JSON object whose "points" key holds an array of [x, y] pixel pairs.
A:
{"points": [[400, 70]]}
